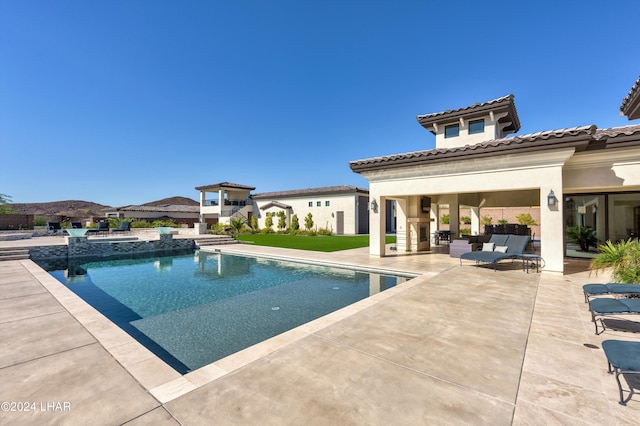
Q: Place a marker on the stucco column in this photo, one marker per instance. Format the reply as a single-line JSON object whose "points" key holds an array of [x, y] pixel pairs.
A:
{"points": [[377, 226], [203, 197], [454, 216], [551, 223], [402, 226], [475, 221]]}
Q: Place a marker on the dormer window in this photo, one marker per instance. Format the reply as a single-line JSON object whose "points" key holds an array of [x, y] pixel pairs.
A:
{"points": [[452, 131], [476, 126]]}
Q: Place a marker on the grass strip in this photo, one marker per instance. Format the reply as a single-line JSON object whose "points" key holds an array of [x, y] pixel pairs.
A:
{"points": [[327, 243]]}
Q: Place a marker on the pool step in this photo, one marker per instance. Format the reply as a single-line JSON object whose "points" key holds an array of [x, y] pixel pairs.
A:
{"points": [[214, 240], [14, 254]]}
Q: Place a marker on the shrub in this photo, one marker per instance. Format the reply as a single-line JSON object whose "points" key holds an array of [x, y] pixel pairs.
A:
{"points": [[39, 221], [486, 220], [623, 258], [254, 222], [308, 221], [219, 229], [295, 223], [466, 220], [324, 231], [465, 231], [282, 219], [444, 219], [268, 222], [503, 221], [525, 219]]}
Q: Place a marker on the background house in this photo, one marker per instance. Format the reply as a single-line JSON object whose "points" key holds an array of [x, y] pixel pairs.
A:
{"points": [[341, 209]]}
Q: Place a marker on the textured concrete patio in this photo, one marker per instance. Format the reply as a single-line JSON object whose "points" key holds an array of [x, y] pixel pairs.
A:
{"points": [[457, 345]]}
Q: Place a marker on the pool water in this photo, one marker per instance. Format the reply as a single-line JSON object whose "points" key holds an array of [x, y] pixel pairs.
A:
{"points": [[191, 310]]}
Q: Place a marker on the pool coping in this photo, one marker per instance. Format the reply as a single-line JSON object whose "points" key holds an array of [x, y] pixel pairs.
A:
{"points": [[164, 382]]}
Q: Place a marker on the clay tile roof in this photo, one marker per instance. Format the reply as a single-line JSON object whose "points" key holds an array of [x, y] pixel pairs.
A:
{"points": [[504, 103], [224, 185], [275, 204], [173, 208], [311, 191], [530, 142], [620, 136], [631, 104]]}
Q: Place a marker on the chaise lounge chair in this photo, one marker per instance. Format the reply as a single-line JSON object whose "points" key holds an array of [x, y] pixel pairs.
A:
{"points": [[624, 359], [604, 306], [54, 228], [499, 247], [103, 228], [124, 227], [609, 288]]}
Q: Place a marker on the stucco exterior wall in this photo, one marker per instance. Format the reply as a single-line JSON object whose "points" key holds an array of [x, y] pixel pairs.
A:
{"points": [[593, 172], [450, 181], [323, 216], [491, 131]]}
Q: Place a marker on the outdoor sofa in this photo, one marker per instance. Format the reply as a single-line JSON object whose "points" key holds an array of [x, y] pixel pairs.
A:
{"points": [[500, 247]]}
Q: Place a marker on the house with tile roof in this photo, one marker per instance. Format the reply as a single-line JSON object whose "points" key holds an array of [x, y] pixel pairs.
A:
{"points": [[580, 176], [219, 202], [341, 209]]}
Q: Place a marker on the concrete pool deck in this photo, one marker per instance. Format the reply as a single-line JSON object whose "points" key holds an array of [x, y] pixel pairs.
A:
{"points": [[457, 345]]}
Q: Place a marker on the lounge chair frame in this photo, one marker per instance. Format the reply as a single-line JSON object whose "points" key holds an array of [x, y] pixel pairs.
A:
{"points": [[623, 359], [604, 306], [591, 290], [516, 245]]}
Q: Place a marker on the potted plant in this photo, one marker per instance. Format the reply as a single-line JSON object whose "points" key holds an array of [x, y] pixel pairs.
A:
{"points": [[623, 259], [583, 236]]}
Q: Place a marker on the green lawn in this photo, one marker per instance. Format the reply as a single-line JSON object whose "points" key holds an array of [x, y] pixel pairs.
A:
{"points": [[318, 243]]}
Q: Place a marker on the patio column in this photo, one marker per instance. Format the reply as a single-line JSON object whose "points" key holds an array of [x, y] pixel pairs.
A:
{"points": [[551, 222], [377, 226], [402, 226], [454, 216], [475, 221]]}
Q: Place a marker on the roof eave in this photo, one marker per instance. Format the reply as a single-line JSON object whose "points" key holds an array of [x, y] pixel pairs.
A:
{"points": [[579, 142], [505, 104]]}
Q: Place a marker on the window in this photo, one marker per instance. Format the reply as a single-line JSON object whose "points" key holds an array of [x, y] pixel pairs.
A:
{"points": [[476, 126], [327, 203], [310, 203], [319, 203], [451, 131]]}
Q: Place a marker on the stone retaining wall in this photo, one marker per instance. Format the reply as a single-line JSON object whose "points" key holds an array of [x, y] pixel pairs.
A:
{"points": [[83, 247]]}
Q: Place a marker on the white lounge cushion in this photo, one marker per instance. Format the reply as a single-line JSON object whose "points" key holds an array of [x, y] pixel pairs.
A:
{"points": [[501, 249], [488, 246]]}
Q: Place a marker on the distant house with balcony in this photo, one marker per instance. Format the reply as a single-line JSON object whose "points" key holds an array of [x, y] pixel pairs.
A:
{"points": [[220, 202], [341, 209]]}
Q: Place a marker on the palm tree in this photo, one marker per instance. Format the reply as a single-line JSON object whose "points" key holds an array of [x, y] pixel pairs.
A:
{"points": [[236, 224], [623, 258]]}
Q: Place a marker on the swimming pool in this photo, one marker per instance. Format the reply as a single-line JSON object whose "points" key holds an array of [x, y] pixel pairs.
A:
{"points": [[191, 310]]}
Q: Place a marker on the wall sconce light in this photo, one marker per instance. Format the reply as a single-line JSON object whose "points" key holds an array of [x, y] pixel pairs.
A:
{"points": [[374, 205], [551, 199]]}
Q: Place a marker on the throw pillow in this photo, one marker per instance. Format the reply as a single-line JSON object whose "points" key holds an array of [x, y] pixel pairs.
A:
{"points": [[501, 249], [487, 246]]}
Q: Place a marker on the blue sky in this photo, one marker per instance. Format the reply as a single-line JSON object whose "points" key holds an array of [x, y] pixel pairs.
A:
{"points": [[129, 101]]}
